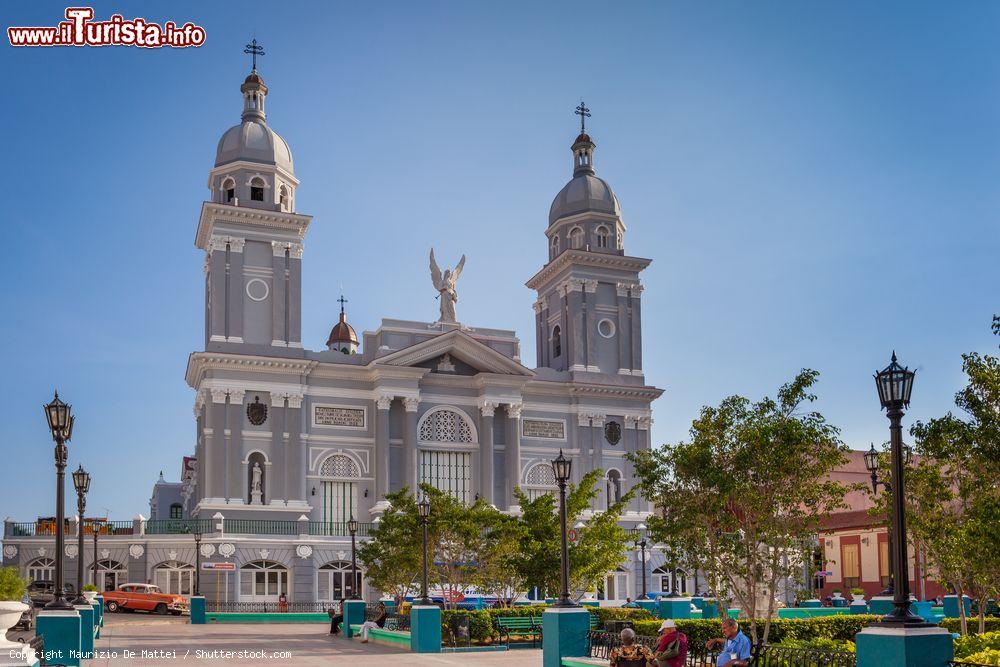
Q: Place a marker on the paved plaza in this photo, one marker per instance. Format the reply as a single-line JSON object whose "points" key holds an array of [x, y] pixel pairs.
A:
{"points": [[160, 641]]}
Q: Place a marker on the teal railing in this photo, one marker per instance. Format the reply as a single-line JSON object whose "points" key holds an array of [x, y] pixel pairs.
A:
{"points": [[179, 526], [261, 527], [337, 528]]}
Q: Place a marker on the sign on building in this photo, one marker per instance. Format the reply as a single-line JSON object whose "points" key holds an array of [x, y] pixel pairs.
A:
{"points": [[543, 428], [328, 415]]}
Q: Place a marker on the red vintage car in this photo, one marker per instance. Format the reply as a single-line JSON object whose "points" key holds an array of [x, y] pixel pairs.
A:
{"points": [[144, 597]]}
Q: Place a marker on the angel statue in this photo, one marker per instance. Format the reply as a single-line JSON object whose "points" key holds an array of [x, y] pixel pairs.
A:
{"points": [[445, 285]]}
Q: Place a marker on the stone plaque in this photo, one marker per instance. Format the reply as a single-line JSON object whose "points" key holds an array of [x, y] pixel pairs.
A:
{"points": [[347, 417], [538, 428]]}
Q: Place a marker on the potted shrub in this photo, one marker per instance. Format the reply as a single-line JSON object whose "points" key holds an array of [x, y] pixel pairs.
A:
{"points": [[12, 588], [90, 592], [858, 595]]}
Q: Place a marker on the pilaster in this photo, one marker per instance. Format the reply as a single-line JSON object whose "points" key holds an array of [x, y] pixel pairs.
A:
{"points": [[513, 452], [410, 476], [235, 481], [296, 458], [486, 409], [382, 404], [235, 287], [636, 328], [280, 279], [590, 325], [278, 477]]}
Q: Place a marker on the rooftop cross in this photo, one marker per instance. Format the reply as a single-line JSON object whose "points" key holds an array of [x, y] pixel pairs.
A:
{"points": [[254, 49], [342, 301], [584, 113]]}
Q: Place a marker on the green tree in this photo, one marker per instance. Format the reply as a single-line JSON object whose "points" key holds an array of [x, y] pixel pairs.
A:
{"points": [[954, 487], [392, 556], [601, 544], [745, 491], [498, 574]]}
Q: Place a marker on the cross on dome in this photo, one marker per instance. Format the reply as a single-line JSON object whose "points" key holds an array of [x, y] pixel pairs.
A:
{"points": [[584, 113], [254, 49]]}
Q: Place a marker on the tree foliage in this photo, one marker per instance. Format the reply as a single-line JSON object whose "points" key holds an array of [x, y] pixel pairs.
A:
{"points": [[953, 489], [750, 486]]}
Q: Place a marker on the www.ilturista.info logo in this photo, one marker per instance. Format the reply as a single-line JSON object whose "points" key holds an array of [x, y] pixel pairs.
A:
{"points": [[80, 30]]}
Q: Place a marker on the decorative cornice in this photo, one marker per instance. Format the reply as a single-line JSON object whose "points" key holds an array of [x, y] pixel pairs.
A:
{"points": [[200, 362], [461, 345], [586, 258], [213, 212]]}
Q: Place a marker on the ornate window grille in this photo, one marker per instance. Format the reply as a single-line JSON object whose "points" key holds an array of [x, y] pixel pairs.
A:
{"points": [[339, 465], [445, 426], [540, 480]]}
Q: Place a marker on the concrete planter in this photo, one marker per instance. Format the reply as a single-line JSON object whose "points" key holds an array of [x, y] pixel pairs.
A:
{"points": [[90, 596], [10, 613]]}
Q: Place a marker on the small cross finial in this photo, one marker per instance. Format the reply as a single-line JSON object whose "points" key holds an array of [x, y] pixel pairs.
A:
{"points": [[584, 113], [254, 49], [342, 301]]}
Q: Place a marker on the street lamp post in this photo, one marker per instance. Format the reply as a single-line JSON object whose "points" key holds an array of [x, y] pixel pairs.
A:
{"points": [[642, 557], [81, 482], [424, 507], [95, 528], [60, 420], [562, 467], [894, 384], [871, 463], [352, 527], [197, 559]]}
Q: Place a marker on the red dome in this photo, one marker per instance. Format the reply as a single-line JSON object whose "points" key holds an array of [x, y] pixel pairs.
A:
{"points": [[342, 332]]}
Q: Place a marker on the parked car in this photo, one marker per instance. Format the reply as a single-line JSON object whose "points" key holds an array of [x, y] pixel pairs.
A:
{"points": [[144, 597], [27, 620], [42, 591]]}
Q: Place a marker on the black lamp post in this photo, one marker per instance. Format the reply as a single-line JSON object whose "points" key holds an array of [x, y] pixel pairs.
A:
{"points": [[871, 463], [95, 528], [641, 543], [197, 560], [352, 527], [81, 482], [60, 422], [894, 385], [424, 507], [562, 467]]}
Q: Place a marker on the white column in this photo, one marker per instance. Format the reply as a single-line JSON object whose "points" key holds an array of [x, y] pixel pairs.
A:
{"points": [[382, 404], [513, 452], [410, 477], [487, 409]]}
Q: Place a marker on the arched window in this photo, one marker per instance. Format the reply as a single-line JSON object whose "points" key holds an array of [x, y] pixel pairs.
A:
{"points": [[446, 426], [614, 486], [340, 497], [555, 247], [174, 577], [448, 469], [110, 574], [42, 569], [556, 341], [540, 480], [334, 581], [602, 236], [257, 189], [256, 479], [229, 190], [176, 511], [283, 198], [576, 238], [263, 581]]}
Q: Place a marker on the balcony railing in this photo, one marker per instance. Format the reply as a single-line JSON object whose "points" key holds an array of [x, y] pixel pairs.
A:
{"points": [[338, 529], [191, 526], [179, 526]]}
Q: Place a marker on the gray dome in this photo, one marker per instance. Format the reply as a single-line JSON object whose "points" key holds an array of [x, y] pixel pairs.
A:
{"points": [[583, 193], [254, 142]]}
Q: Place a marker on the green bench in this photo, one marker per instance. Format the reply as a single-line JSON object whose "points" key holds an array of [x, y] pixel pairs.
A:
{"points": [[521, 626]]}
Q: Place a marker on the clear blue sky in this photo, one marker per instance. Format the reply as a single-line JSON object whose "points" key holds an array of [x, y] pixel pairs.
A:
{"points": [[815, 182]]}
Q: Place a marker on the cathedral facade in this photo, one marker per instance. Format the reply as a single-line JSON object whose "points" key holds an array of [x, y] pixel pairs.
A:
{"points": [[290, 443]]}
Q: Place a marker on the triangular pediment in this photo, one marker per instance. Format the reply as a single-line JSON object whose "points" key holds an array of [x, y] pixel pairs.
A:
{"points": [[460, 346]]}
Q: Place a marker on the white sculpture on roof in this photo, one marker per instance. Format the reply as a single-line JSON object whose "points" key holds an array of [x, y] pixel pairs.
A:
{"points": [[445, 285]]}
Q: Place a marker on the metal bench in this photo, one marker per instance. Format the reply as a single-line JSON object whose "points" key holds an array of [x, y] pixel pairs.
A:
{"points": [[522, 626]]}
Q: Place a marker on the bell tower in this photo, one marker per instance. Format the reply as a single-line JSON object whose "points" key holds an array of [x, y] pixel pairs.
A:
{"points": [[252, 236], [588, 314]]}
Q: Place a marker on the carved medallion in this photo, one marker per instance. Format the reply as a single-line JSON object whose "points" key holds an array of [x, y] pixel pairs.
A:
{"points": [[71, 551], [136, 550], [257, 411], [9, 550], [613, 432], [304, 551], [227, 549], [207, 550]]}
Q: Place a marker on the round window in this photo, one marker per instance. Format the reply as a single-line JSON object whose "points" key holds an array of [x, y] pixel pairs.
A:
{"points": [[606, 328], [257, 289]]}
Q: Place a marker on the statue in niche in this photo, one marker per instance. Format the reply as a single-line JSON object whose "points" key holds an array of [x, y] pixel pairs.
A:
{"points": [[256, 475], [444, 283]]}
